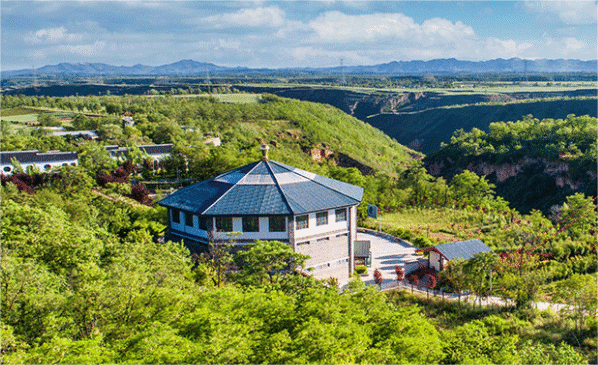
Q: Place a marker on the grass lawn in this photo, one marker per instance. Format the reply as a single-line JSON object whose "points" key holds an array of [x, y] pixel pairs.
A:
{"points": [[25, 118], [438, 224]]}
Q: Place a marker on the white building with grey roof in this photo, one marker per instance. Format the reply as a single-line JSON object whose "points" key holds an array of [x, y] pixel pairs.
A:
{"points": [[268, 200], [44, 161]]}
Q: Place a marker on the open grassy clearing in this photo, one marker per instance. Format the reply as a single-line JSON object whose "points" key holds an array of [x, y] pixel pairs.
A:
{"points": [[439, 224], [25, 118], [9, 112], [241, 98]]}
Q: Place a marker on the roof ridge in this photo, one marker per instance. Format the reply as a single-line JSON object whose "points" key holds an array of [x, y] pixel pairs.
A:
{"points": [[319, 183], [278, 185], [229, 189]]}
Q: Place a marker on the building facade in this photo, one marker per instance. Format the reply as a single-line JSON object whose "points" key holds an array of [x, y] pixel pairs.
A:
{"points": [[42, 161], [268, 200]]}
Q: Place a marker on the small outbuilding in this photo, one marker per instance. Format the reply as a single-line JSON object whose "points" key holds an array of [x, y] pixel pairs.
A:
{"points": [[439, 255]]}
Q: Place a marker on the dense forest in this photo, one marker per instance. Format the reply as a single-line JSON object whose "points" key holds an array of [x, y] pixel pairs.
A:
{"points": [[92, 282]]}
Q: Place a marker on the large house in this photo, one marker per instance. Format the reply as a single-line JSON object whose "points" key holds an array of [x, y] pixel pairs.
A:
{"points": [[268, 200]]}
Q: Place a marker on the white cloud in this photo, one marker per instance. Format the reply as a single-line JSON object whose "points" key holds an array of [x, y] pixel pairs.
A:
{"points": [[85, 49], [270, 17], [569, 12], [573, 44], [499, 48], [337, 27], [51, 35], [567, 46]]}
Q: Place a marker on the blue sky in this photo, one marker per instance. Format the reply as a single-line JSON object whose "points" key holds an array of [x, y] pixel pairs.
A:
{"points": [[278, 34]]}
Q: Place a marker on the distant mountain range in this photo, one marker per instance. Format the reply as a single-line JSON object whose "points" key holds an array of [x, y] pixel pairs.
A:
{"points": [[194, 68]]}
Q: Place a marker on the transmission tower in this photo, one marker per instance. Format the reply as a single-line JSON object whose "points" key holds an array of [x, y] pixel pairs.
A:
{"points": [[208, 78], [343, 78]]}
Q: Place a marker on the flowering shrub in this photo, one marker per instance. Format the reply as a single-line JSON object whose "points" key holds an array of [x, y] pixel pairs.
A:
{"points": [[378, 277], [400, 273]]}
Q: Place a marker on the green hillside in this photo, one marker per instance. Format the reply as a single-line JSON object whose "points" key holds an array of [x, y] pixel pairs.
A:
{"points": [[299, 133]]}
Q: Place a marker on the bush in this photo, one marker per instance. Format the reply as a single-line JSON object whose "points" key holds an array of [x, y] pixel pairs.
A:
{"points": [[361, 270]]}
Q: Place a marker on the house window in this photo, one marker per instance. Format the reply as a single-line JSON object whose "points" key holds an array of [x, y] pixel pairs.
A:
{"points": [[7, 168], [251, 224], [302, 221], [224, 224], [341, 214], [176, 216], [47, 167], [205, 223], [277, 223], [188, 219], [321, 218]]}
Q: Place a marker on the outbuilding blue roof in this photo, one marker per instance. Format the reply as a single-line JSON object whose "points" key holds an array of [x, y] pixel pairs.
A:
{"points": [[264, 188], [462, 249]]}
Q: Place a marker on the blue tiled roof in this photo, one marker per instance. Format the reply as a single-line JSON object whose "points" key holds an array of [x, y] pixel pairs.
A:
{"points": [[462, 249], [264, 188]]}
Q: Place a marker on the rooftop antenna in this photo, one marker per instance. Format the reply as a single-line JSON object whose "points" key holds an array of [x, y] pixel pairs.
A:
{"points": [[343, 78]]}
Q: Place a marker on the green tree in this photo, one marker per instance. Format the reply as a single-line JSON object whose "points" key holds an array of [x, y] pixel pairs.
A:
{"points": [[470, 187], [268, 261], [580, 293]]}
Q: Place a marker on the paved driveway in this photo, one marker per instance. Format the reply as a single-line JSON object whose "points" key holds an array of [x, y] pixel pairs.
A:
{"points": [[386, 254]]}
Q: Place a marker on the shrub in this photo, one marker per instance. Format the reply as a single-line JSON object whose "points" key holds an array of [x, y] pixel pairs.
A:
{"points": [[400, 273], [361, 270], [140, 193], [378, 277]]}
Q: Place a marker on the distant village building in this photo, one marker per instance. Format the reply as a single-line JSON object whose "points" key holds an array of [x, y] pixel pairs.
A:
{"points": [[153, 151], [214, 141], [268, 200], [43, 161], [84, 134], [440, 255], [48, 160], [128, 121]]}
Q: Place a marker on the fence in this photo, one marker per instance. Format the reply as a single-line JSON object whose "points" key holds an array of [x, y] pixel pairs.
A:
{"points": [[384, 235], [423, 289]]}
